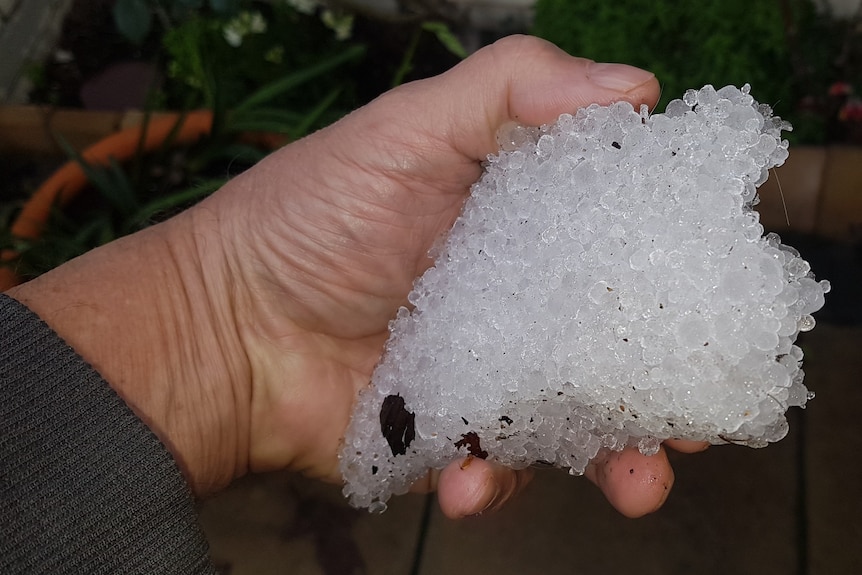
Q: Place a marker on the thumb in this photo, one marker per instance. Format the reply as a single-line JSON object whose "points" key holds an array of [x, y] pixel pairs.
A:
{"points": [[529, 81]]}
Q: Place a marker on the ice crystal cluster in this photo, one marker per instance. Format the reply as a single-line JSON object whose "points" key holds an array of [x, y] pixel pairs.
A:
{"points": [[606, 285]]}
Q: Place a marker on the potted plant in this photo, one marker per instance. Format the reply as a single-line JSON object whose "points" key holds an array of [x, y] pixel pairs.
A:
{"points": [[240, 136], [211, 54]]}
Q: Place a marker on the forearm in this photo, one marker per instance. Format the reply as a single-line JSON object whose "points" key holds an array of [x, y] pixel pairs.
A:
{"points": [[142, 311]]}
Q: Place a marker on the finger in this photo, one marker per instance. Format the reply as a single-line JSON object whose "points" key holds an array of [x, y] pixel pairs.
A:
{"points": [[529, 81], [686, 446], [472, 486], [428, 483], [635, 484]]}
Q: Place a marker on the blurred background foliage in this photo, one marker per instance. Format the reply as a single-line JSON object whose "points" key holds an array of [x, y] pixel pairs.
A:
{"points": [[273, 70], [798, 57], [289, 67]]}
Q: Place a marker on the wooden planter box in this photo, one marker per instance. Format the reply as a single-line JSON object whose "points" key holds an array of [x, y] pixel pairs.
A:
{"points": [[822, 192], [37, 129]]}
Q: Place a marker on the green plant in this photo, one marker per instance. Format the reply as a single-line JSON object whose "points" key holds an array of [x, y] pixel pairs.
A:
{"points": [[125, 198], [135, 18], [285, 67], [686, 44], [215, 61], [443, 34], [787, 50]]}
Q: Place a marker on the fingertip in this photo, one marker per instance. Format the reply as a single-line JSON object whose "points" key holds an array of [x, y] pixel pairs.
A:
{"points": [[466, 487], [530, 81], [635, 484], [544, 81], [473, 486], [625, 79]]}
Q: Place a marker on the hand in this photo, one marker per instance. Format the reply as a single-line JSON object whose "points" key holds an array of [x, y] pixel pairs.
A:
{"points": [[345, 239], [242, 330]]}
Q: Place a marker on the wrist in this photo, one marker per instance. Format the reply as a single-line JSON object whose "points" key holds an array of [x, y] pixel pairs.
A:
{"points": [[142, 311]]}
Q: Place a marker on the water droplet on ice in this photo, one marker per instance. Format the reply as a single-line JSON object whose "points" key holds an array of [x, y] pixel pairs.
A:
{"points": [[690, 97], [512, 136], [377, 507], [806, 323]]}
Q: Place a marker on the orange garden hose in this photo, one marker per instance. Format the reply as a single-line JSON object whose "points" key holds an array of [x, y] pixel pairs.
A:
{"points": [[68, 181]]}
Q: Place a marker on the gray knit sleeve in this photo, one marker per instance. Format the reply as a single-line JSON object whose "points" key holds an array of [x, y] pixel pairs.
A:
{"points": [[85, 486]]}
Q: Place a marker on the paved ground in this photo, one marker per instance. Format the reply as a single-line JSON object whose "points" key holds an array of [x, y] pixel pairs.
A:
{"points": [[793, 508]]}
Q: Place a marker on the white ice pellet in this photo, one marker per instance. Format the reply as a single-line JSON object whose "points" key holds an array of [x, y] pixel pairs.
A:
{"points": [[606, 285]]}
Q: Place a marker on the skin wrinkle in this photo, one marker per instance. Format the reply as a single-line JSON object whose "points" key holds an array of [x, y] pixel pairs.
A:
{"points": [[169, 402], [334, 234], [392, 212], [313, 271], [510, 94], [301, 428], [228, 270], [411, 166], [214, 406], [422, 144], [416, 234], [240, 398], [383, 203], [64, 298], [424, 235], [398, 154], [308, 280]]}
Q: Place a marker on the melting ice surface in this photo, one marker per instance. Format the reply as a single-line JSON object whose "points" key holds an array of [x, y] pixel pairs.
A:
{"points": [[607, 284]]}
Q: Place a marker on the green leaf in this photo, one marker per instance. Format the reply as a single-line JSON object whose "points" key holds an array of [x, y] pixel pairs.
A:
{"points": [[407, 59], [239, 153], [265, 120], [110, 181], [97, 232], [446, 37], [314, 115], [261, 125], [133, 19], [176, 200], [114, 186], [291, 81], [227, 152]]}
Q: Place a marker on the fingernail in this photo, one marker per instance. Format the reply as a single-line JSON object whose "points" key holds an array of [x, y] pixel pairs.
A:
{"points": [[492, 487], [620, 77]]}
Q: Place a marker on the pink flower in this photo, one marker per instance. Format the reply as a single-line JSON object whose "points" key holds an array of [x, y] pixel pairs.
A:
{"points": [[840, 89], [851, 111]]}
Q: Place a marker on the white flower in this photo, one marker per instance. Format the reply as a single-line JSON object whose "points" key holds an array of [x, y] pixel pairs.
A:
{"points": [[244, 24], [257, 25], [303, 6], [341, 24], [232, 36]]}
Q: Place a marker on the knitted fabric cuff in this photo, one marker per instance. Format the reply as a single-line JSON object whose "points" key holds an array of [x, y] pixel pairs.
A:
{"points": [[85, 486]]}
